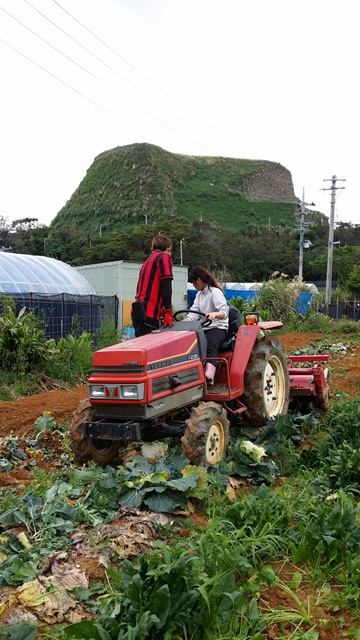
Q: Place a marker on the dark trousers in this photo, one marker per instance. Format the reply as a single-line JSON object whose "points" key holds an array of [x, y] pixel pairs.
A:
{"points": [[142, 328], [215, 337]]}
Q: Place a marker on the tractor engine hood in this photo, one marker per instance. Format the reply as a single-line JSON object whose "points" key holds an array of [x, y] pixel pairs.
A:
{"points": [[152, 352]]}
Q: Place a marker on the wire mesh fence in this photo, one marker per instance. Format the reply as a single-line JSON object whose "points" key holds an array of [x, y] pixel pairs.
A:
{"points": [[340, 310], [63, 314]]}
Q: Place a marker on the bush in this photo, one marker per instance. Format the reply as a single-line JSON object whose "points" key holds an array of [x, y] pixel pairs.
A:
{"points": [[71, 359], [23, 346], [278, 296], [311, 321], [107, 334]]}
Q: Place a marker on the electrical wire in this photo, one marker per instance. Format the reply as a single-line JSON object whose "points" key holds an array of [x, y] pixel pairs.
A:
{"points": [[125, 79], [75, 90], [149, 79], [102, 81]]}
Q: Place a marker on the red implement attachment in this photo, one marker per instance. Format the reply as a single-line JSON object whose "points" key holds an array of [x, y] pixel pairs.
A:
{"points": [[309, 381]]}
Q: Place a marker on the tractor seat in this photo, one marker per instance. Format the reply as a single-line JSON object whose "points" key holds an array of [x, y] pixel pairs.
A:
{"points": [[234, 324]]}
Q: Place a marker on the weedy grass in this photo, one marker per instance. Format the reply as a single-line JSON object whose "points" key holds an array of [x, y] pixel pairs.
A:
{"points": [[295, 615], [316, 322], [71, 359]]}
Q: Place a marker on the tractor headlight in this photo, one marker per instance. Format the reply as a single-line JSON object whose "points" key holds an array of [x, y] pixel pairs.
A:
{"points": [[132, 391], [96, 391], [117, 391]]}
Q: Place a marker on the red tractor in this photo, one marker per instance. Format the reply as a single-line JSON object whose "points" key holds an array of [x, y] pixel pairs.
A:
{"points": [[154, 387]]}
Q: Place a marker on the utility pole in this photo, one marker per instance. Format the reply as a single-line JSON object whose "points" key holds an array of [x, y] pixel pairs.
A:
{"points": [[302, 228], [181, 250], [331, 243]]}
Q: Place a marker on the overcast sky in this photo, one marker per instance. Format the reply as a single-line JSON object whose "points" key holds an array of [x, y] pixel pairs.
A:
{"points": [[259, 79]]}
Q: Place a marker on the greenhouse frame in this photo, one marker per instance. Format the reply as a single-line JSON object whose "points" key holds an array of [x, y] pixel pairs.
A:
{"points": [[57, 294]]}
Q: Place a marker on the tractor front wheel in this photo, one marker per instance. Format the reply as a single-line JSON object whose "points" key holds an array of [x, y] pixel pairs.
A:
{"points": [[103, 452], [206, 436], [266, 383]]}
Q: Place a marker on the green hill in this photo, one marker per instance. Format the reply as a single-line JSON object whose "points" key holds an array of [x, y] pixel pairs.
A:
{"points": [[128, 186]]}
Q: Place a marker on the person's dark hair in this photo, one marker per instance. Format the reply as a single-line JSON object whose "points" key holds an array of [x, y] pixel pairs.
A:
{"points": [[204, 275], [160, 243]]}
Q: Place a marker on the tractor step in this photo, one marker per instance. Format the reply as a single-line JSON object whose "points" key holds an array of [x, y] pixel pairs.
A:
{"points": [[217, 388]]}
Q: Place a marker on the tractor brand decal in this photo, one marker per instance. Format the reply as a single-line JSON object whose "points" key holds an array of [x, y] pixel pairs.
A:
{"points": [[160, 365], [111, 391], [191, 354]]}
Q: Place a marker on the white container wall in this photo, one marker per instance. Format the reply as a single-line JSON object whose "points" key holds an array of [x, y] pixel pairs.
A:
{"points": [[120, 277]]}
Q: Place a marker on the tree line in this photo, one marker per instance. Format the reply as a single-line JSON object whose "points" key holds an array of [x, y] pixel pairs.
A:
{"points": [[250, 255]]}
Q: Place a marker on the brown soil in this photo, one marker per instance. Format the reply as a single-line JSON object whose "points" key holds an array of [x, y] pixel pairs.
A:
{"points": [[17, 418], [344, 367]]}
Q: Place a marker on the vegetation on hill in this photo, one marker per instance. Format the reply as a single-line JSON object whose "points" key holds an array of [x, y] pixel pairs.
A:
{"points": [[129, 185]]}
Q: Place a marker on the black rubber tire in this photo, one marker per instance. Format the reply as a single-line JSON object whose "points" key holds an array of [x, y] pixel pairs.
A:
{"points": [[266, 383], [206, 436], [103, 452]]}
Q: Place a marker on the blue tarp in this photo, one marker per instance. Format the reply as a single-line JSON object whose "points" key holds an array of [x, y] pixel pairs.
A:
{"points": [[302, 304]]}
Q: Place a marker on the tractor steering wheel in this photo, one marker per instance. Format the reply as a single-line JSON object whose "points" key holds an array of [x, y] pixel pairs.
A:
{"points": [[204, 323]]}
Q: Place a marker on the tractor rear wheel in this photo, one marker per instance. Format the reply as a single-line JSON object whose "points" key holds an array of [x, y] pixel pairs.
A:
{"points": [[206, 436], [266, 383], [103, 452]]}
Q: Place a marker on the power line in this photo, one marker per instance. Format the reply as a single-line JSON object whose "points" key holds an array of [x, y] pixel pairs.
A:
{"points": [[106, 84], [149, 79], [75, 90], [97, 78], [126, 80]]}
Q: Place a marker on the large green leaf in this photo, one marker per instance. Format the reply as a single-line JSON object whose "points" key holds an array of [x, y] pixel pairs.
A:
{"points": [[15, 570], [142, 631], [160, 604], [134, 592], [183, 609], [139, 466], [12, 517], [21, 631], [87, 630], [183, 484], [165, 502], [33, 504], [86, 476], [132, 498]]}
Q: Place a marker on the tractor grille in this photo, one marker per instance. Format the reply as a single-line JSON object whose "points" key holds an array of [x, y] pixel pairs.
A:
{"points": [[119, 411], [127, 369], [164, 384]]}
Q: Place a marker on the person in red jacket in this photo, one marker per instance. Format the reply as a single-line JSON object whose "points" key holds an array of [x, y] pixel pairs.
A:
{"points": [[154, 288]]}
